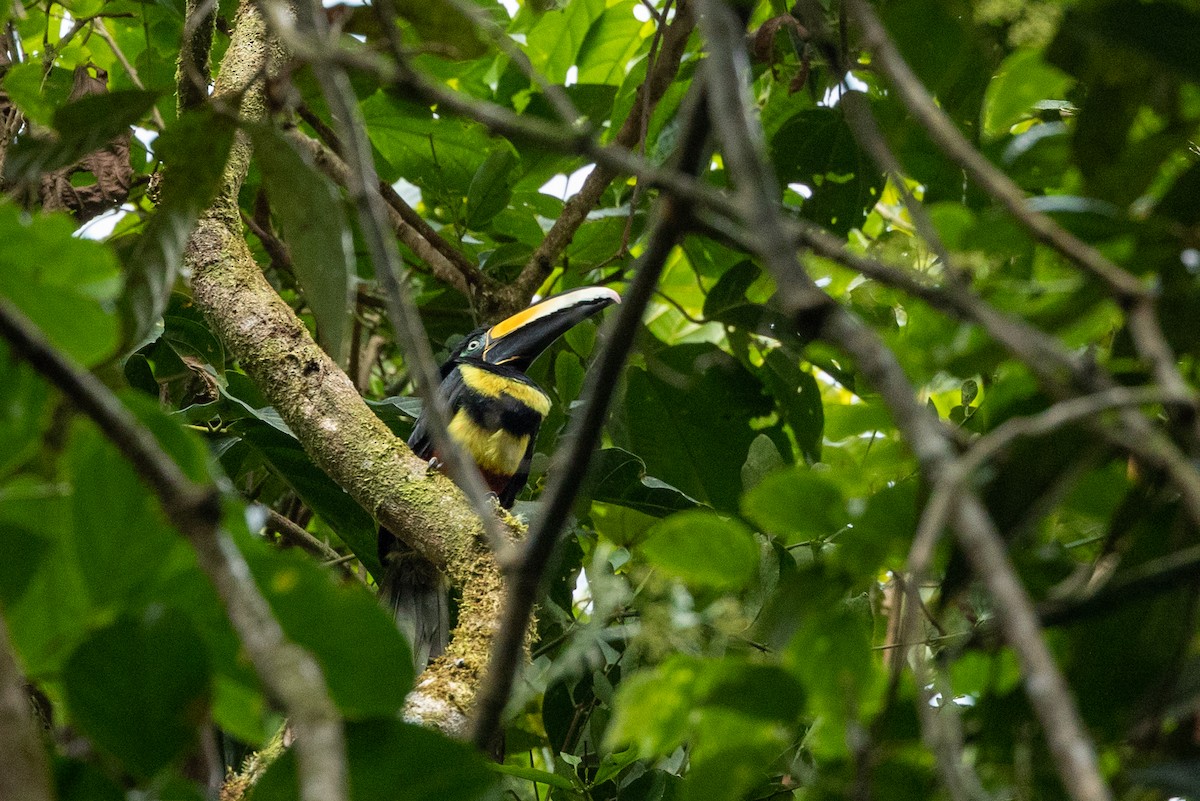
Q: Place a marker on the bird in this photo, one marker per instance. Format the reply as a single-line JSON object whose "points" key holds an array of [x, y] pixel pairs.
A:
{"points": [[496, 411]]}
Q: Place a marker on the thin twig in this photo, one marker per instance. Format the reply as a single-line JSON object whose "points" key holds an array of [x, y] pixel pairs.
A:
{"points": [[290, 675], [569, 464], [743, 148], [658, 78], [1144, 328], [292, 534]]}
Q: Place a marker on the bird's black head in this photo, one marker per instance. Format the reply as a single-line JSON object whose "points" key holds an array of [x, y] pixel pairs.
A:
{"points": [[516, 341]]}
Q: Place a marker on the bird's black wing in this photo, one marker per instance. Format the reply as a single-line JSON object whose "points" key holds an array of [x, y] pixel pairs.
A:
{"points": [[451, 389]]}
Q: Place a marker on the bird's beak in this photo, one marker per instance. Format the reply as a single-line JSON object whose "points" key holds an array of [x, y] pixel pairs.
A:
{"points": [[520, 339]]}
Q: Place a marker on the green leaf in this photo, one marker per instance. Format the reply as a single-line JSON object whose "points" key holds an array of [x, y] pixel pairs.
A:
{"points": [[445, 24], [652, 709], [703, 549], [62, 283], [796, 505], [394, 760], [491, 187], [656, 711], [554, 43], [23, 410], [139, 687], [80, 127], [440, 155], [884, 531], [610, 45], [1022, 80], [799, 398], [46, 604], [121, 537], [37, 93], [816, 148], [22, 552], [620, 478], [367, 664], [313, 223], [688, 416], [535, 775]]}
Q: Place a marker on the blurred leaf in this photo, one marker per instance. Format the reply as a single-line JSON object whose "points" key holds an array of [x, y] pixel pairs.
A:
{"points": [[703, 549], [367, 664], [1021, 81], [313, 223], [36, 92], [491, 186], [658, 710], [1174, 779], [61, 283], [146, 712], [46, 604], [885, 530], [392, 759], [23, 410], [121, 537], [796, 505], [79, 128], [444, 24]]}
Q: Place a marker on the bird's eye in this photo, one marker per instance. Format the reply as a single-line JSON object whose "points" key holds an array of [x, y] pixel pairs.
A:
{"points": [[474, 345]]}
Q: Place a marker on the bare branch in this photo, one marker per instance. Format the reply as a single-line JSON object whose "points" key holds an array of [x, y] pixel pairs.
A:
{"points": [[193, 72], [290, 675], [1128, 290], [574, 213], [730, 106], [569, 465]]}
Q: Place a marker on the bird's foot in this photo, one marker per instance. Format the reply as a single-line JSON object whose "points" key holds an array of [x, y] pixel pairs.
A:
{"points": [[436, 464]]}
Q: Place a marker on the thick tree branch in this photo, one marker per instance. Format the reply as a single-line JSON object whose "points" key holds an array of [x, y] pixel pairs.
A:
{"points": [[289, 674], [322, 406], [24, 772], [743, 148], [193, 73]]}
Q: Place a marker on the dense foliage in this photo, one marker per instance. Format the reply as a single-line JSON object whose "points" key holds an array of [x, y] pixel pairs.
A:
{"points": [[723, 619]]}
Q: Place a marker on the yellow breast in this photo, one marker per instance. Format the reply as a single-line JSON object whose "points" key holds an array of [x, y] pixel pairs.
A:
{"points": [[494, 451]]}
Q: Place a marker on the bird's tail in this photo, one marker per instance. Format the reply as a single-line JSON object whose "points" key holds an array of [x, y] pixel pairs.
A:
{"points": [[417, 594]]}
